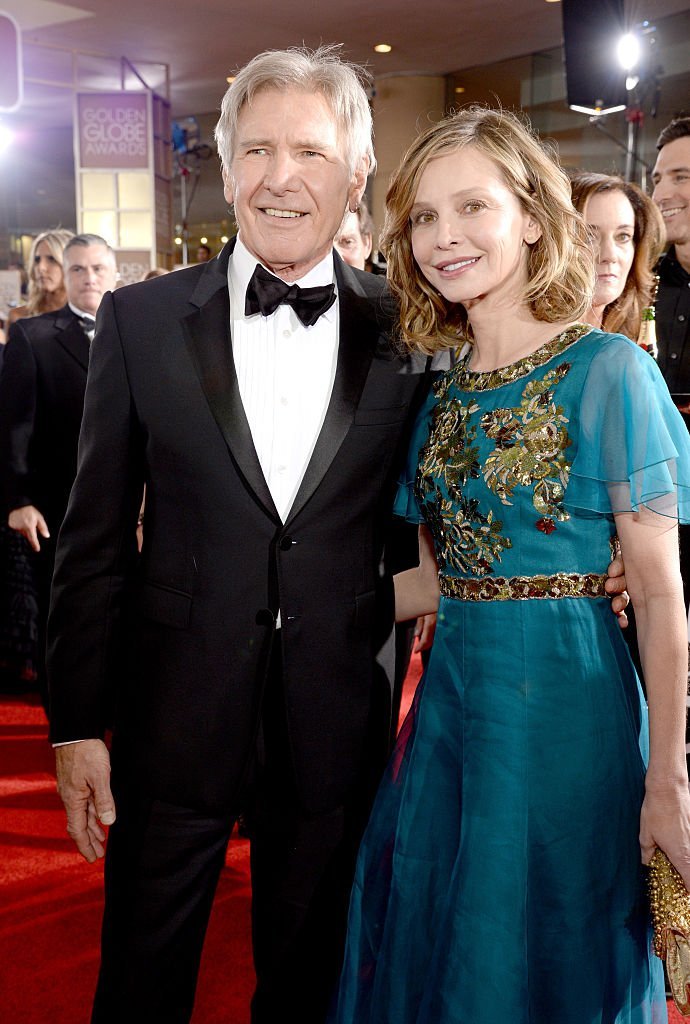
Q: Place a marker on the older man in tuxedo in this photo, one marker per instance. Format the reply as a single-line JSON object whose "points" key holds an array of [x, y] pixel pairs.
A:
{"points": [[41, 403], [260, 401]]}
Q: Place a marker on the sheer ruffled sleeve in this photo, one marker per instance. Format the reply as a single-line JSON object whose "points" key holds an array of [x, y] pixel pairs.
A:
{"points": [[406, 506], [633, 447]]}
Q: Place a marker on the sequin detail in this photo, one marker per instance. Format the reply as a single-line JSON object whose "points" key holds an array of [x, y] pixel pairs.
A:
{"points": [[531, 441], [465, 538], [524, 588], [469, 380]]}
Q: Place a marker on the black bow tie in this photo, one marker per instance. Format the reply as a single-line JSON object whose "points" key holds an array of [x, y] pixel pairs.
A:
{"points": [[87, 322], [266, 292]]}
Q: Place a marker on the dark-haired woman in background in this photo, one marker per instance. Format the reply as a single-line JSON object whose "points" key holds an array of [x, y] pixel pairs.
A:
{"points": [[628, 236]]}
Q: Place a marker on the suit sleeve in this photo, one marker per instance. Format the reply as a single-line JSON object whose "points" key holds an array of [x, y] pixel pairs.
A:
{"points": [[18, 382], [96, 554]]}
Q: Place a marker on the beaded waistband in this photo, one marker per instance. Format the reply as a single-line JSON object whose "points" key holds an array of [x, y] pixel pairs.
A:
{"points": [[524, 588]]}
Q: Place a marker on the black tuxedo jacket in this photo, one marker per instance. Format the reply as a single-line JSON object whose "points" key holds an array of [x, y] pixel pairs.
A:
{"points": [[42, 388], [178, 640]]}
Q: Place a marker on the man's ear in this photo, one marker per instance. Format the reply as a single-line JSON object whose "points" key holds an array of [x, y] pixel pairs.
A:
{"points": [[358, 183], [228, 188]]}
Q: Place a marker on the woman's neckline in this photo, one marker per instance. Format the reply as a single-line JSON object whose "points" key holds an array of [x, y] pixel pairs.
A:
{"points": [[483, 380]]}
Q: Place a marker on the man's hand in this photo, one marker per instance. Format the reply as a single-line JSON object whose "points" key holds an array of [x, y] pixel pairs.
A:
{"points": [[424, 630], [83, 778], [28, 521], [615, 586]]}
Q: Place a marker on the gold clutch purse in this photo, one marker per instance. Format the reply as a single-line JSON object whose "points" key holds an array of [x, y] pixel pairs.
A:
{"points": [[670, 906]]}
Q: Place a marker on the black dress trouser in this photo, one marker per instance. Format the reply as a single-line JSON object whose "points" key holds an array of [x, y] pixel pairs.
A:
{"points": [[162, 867]]}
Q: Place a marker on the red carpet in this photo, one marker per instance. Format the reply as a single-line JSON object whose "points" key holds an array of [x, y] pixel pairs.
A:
{"points": [[50, 900]]}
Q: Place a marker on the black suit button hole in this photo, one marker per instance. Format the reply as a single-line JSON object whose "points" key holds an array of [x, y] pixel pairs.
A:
{"points": [[286, 543]]}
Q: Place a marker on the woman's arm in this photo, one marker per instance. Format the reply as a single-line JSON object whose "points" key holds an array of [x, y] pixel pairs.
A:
{"points": [[650, 551], [417, 590]]}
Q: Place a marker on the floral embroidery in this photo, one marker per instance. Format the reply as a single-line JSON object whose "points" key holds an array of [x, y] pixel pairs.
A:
{"points": [[530, 444], [465, 539], [450, 453], [525, 588], [530, 448]]}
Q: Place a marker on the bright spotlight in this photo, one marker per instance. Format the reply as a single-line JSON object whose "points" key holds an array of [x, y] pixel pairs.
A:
{"points": [[628, 51], [6, 138]]}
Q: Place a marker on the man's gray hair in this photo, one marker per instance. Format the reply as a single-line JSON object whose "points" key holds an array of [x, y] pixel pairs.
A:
{"points": [[341, 83], [88, 239]]}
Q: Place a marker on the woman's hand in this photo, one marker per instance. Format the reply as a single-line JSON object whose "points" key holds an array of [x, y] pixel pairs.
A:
{"points": [[665, 822]]}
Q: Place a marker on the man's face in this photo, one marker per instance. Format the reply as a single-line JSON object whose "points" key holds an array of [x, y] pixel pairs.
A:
{"points": [[353, 246], [90, 272], [671, 177], [289, 180]]}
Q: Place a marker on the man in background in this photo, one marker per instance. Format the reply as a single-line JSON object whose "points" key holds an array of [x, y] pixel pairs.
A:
{"points": [[41, 403], [671, 178]]}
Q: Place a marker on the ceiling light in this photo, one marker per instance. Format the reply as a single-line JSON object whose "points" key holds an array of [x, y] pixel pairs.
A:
{"points": [[204, 240], [230, 79], [383, 48], [223, 239], [459, 88], [178, 240]]}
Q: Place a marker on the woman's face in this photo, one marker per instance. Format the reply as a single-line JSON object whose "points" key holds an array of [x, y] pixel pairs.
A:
{"points": [[46, 270], [611, 222], [468, 231]]}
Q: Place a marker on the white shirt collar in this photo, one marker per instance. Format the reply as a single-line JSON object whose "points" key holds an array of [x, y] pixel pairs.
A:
{"points": [[80, 312], [241, 267]]}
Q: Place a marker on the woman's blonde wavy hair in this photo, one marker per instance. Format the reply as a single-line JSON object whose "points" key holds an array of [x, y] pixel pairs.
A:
{"points": [[39, 301], [624, 315], [560, 264]]}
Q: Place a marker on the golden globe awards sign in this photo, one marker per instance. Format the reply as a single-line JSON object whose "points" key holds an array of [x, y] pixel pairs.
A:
{"points": [[113, 130]]}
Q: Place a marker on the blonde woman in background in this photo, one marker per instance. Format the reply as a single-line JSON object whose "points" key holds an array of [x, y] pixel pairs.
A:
{"points": [[46, 283]]}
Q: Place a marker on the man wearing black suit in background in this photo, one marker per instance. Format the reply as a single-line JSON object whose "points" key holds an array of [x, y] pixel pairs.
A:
{"points": [[41, 403], [240, 657]]}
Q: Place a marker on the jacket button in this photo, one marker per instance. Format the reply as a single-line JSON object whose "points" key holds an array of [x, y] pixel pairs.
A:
{"points": [[286, 543], [265, 617]]}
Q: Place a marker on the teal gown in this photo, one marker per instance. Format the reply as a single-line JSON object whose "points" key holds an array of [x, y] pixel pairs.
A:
{"points": [[499, 879]]}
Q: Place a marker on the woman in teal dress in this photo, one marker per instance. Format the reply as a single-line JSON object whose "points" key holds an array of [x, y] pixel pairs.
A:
{"points": [[501, 876]]}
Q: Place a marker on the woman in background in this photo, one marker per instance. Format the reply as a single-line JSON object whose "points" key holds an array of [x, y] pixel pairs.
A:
{"points": [[501, 874], [46, 283], [627, 232], [628, 236]]}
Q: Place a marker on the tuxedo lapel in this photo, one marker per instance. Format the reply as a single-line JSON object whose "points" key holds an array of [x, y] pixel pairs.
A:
{"points": [[207, 331], [71, 336], [359, 334]]}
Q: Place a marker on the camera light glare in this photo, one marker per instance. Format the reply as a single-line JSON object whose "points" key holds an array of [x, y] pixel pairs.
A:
{"points": [[6, 138], [628, 50]]}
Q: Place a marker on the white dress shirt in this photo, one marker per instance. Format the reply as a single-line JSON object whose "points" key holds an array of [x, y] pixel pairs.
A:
{"points": [[285, 373], [80, 313]]}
